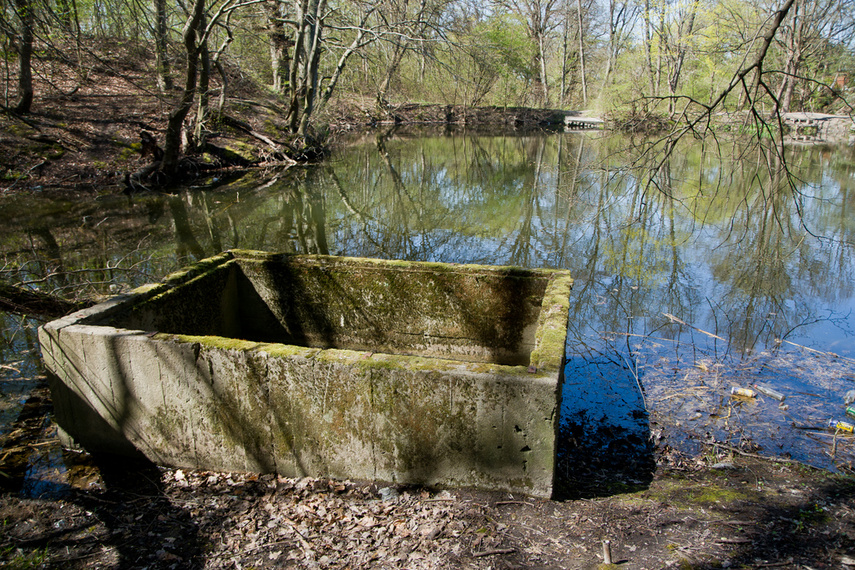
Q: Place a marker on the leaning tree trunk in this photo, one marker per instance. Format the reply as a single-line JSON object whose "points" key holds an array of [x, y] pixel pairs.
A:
{"points": [[24, 9], [172, 139], [22, 301], [391, 70]]}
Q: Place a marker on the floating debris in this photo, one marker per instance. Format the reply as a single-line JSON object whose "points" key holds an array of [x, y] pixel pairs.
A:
{"points": [[850, 411], [771, 392], [849, 397], [841, 426], [744, 392]]}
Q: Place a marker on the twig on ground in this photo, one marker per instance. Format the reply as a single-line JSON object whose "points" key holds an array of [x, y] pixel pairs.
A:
{"points": [[493, 552]]}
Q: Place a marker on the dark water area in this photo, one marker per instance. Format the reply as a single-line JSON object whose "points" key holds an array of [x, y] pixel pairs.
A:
{"points": [[713, 272]]}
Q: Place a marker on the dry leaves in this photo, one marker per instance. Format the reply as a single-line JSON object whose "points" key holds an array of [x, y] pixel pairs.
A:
{"points": [[320, 523]]}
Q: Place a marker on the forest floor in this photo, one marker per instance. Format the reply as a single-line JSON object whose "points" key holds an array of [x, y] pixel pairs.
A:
{"points": [[61, 509], [83, 134]]}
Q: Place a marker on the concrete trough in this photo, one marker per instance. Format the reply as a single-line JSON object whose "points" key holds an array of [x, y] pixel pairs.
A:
{"points": [[404, 372]]}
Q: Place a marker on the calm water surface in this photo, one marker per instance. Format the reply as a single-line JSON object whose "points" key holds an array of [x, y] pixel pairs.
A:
{"points": [[710, 274]]}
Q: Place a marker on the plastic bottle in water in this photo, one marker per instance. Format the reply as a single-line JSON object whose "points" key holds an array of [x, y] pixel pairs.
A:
{"points": [[850, 411]]}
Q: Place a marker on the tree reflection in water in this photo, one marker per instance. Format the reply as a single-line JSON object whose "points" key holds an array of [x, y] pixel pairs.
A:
{"points": [[715, 241]]}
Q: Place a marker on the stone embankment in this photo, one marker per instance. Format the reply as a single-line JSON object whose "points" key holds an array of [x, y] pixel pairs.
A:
{"points": [[492, 117], [819, 127]]}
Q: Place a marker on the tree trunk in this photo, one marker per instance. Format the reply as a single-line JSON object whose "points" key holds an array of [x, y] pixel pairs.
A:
{"points": [[204, 85], [562, 96], [582, 53], [175, 123], [164, 77], [224, 78], [313, 57], [684, 30], [544, 80], [784, 96], [391, 70], [295, 89], [64, 14], [648, 50], [280, 45], [612, 48], [358, 42], [24, 8]]}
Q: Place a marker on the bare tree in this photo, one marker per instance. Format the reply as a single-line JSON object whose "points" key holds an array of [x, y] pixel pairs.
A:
{"points": [[175, 123], [678, 45], [622, 18], [280, 40], [752, 79], [541, 20], [581, 33], [24, 42], [804, 35], [406, 29]]}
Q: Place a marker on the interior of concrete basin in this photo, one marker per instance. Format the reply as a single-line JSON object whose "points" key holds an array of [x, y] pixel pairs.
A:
{"points": [[469, 313]]}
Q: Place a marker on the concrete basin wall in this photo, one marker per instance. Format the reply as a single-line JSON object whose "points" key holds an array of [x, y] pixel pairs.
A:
{"points": [[417, 373]]}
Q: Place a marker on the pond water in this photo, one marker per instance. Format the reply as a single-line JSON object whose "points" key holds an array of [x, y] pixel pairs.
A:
{"points": [[709, 274]]}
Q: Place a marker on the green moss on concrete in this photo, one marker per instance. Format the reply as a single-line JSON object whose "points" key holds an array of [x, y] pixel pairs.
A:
{"points": [[198, 268], [289, 350], [147, 288], [552, 330], [371, 379], [356, 303], [219, 342]]}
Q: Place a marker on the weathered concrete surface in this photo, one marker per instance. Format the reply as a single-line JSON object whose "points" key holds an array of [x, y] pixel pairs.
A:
{"points": [[419, 373]]}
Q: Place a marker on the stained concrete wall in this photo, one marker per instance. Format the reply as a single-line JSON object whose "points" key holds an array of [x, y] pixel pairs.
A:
{"points": [[144, 374]]}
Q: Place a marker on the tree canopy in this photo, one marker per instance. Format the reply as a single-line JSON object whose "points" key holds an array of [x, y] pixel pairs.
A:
{"points": [[316, 55]]}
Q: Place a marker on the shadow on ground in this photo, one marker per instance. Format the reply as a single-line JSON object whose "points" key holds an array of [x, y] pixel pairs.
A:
{"points": [[103, 509], [603, 444]]}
